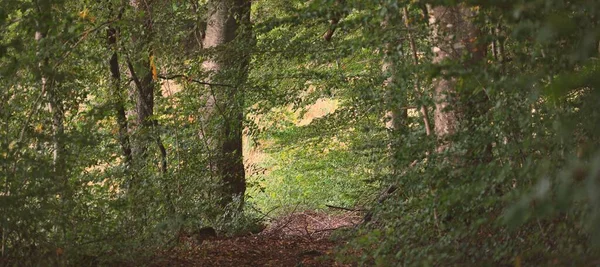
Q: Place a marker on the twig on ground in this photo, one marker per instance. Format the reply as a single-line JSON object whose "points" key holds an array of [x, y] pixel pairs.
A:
{"points": [[265, 214], [289, 220], [342, 208], [332, 229]]}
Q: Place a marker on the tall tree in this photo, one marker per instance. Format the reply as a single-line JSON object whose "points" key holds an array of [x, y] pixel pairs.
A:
{"points": [[222, 116], [397, 115], [454, 37], [415, 57], [118, 102], [48, 87], [143, 73]]}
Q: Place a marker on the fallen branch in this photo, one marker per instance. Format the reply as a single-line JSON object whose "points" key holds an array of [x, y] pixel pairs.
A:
{"points": [[175, 76], [342, 208], [332, 229], [382, 197], [279, 228], [265, 215]]}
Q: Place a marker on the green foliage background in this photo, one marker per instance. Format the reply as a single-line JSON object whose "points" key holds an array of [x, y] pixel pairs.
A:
{"points": [[536, 201]]}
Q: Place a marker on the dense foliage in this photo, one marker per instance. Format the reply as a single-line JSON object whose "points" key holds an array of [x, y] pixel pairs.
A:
{"points": [[339, 100]]}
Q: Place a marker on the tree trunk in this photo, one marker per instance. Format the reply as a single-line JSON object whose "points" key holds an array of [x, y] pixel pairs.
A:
{"points": [[222, 115], [415, 56], [334, 19], [54, 101], [143, 74], [454, 36], [396, 116], [117, 94], [55, 106]]}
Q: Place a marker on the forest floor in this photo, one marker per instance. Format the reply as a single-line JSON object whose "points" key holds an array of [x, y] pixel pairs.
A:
{"points": [[298, 239]]}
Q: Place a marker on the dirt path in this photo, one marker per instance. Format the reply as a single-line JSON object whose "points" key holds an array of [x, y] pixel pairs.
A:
{"points": [[300, 239]]}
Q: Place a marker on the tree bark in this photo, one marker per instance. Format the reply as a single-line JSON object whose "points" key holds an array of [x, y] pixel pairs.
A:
{"points": [[55, 106], [413, 48], [54, 102], [457, 39], [222, 115], [143, 76], [396, 116], [117, 94], [334, 19], [454, 36]]}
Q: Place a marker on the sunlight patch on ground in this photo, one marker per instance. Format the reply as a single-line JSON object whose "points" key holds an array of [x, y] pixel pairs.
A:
{"points": [[253, 153], [319, 109]]}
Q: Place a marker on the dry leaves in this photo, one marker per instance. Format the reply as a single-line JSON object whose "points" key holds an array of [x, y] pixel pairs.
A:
{"points": [[299, 239]]}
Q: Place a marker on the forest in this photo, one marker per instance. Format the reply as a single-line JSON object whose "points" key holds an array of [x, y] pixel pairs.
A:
{"points": [[299, 133]]}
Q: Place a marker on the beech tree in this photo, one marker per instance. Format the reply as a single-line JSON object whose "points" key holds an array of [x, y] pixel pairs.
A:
{"points": [[226, 38], [142, 70], [455, 37]]}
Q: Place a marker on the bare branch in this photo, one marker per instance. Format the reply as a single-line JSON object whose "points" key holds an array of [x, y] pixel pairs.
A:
{"points": [[175, 76]]}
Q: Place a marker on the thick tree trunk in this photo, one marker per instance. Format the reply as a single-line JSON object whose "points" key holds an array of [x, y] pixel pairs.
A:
{"points": [[143, 75], [222, 115], [454, 36], [457, 39], [397, 115]]}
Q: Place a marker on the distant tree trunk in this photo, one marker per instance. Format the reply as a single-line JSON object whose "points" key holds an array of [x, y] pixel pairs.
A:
{"points": [[498, 49], [454, 36], [415, 56], [117, 94], [54, 101], [143, 73], [55, 106], [222, 115], [334, 19], [397, 115]]}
